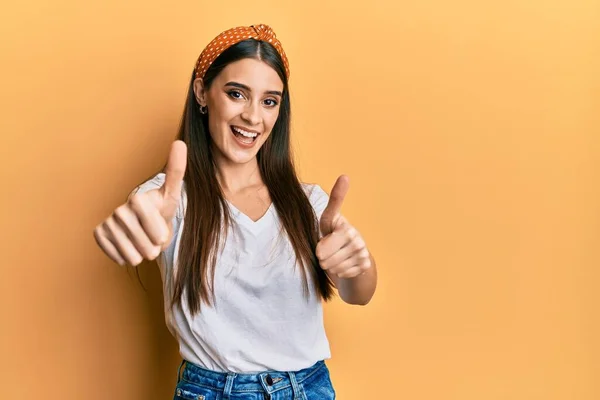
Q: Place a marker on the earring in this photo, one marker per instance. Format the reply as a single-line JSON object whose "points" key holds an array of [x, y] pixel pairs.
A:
{"points": [[203, 109]]}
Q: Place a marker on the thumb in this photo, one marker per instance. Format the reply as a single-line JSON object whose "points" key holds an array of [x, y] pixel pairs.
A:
{"points": [[174, 173], [334, 206]]}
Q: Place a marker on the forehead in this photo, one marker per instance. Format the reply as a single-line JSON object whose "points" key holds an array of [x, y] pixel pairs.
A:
{"points": [[256, 74]]}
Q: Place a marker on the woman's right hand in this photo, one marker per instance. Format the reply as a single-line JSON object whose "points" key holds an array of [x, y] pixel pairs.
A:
{"points": [[143, 227]]}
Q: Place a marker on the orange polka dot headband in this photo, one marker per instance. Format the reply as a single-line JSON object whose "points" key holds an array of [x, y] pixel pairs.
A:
{"points": [[235, 35]]}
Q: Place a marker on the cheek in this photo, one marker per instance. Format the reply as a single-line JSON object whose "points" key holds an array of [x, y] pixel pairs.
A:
{"points": [[213, 126], [221, 111], [218, 119], [270, 120]]}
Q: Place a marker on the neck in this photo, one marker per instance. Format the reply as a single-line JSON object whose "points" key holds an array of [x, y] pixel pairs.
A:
{"points": [[234, 177]]}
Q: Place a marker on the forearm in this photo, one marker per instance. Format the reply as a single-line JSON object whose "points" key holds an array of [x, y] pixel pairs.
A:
{"points": [[360, 289]]}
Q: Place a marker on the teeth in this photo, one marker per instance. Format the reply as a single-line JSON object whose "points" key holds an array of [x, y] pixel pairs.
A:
{"points": [[245, 133]]}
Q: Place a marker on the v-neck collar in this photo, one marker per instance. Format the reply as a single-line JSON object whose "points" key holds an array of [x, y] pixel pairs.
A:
{"points": [[254, 226]]}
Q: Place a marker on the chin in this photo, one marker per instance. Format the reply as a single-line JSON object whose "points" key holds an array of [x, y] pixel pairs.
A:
{"points": [[241, 158]]}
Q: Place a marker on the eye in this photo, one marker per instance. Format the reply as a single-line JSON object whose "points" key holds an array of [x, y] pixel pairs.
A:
{"points": [[235, 94], [271, 102]]}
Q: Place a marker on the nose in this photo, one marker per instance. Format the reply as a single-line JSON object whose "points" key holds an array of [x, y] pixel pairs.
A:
{"points": [[251, 114]]}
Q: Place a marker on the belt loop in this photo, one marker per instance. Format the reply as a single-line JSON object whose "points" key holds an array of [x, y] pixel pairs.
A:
{"points": [[228, 385], [295, 387], [179, 370]]}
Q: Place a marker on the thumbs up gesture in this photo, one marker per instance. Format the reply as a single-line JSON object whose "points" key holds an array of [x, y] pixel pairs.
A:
{"points": [[342, 252], [143, 226]]}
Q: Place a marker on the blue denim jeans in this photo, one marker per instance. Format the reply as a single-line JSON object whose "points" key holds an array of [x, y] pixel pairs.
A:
{"points": [[196, 383]]}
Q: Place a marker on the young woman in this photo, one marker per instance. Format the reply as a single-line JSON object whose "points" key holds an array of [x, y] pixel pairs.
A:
{"points": [[247, 252]]}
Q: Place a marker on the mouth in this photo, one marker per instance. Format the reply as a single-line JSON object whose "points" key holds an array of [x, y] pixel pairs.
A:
{"points": [[244, 136]]}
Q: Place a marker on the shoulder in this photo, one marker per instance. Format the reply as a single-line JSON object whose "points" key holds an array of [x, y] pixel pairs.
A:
{"points": [[313, 190], [153, 183]]}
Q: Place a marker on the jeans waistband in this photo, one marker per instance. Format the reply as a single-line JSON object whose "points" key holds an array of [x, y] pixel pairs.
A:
{"points": [[230, 382]]}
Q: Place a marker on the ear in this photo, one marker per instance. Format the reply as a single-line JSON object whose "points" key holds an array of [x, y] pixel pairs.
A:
{"points": [[199, 92]]}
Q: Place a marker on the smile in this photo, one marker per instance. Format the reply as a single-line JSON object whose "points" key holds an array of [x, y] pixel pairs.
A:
{"points": [[243, 136]]}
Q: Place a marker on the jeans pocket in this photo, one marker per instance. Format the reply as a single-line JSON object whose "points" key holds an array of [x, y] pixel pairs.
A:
{"points": [[311, 392], [187, 391], [319, 388]]}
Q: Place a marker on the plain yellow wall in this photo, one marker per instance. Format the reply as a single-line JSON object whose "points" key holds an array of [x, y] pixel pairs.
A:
{"points": [[470, 132]]}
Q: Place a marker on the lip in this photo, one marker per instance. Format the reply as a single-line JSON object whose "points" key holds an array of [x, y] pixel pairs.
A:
{"points": [[245, 129], [239, 142]]}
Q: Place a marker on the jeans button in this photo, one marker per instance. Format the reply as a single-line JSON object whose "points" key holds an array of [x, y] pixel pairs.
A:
{"points": [[269, 380]]}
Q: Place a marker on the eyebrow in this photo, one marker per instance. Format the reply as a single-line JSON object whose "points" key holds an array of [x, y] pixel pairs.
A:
{"points": [[242, 86]]}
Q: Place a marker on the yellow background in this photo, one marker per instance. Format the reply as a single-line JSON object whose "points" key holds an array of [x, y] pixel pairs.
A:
{"points": [[470, 131]]}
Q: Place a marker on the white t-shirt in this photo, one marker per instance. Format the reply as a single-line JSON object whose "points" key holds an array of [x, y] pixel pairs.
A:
{"points": [[261, 319]]}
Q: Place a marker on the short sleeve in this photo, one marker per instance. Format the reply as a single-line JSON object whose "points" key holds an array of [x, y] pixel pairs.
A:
{"points": [[156, 182], [317, 197]]}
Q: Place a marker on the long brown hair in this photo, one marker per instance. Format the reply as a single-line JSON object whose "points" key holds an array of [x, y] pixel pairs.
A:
{"points": [[205, 216]]}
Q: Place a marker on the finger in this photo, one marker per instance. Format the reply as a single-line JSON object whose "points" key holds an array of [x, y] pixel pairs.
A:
{"points": [[338, 193], [351, 273], [167, 242], [334, 206], [174, 172], [339, 262], [129, 223], [359, 259], [349, 251], [336, 252], [329, 245], [153, 224], [121, 241], [336, 240], [109, 249]]}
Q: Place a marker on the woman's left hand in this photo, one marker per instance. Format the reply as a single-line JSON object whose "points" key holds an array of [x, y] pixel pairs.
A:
{"points": [[341, 251]]}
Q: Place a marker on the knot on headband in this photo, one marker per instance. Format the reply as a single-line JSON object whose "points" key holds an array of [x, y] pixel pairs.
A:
{"points": [[263, 32], [233, 36]]}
